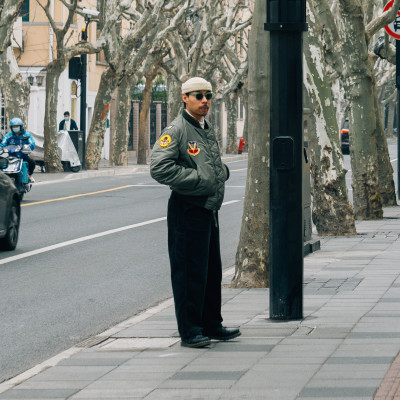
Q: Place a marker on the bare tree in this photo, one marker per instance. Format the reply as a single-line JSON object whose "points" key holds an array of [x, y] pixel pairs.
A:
{"points": [[9, 10], [345, 46], [63, 54], [125, 56]]}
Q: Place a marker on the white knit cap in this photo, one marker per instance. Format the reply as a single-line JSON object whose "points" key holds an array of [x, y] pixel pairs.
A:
{"points": [[196, 83]]}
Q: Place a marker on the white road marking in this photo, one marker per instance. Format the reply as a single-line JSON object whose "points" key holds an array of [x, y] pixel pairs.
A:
{"points": [[86, 238]]}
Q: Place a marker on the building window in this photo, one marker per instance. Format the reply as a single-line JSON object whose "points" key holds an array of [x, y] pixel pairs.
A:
{"points": [[24, 12], [240, 109]]}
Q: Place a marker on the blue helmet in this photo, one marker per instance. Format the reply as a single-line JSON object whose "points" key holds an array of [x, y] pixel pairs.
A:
{"points": [[16, 122]]}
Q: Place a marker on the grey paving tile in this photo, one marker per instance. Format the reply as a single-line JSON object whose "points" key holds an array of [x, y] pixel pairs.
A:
{"points": [[259, 394], [115, 390], [374, 335], [242, 347], [327, 383], [185, 394], [196, 384], [98, 361], [78, 373], [360, 360], [208, 375], [35, 384], [40, 394], [338, 392]]}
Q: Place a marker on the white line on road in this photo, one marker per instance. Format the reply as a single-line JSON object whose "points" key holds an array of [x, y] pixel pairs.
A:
{"points": [[86, 238]]}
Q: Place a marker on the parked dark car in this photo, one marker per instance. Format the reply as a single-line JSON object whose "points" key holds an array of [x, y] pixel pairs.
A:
{"points": [[10, 211], [344, 138]]}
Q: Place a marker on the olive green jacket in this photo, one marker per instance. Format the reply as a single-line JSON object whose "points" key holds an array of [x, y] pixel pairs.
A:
{"points": [[187, 158]]}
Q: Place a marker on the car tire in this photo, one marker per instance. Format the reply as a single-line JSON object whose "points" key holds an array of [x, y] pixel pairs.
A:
{"points": [[75, 169], [9, 242]]}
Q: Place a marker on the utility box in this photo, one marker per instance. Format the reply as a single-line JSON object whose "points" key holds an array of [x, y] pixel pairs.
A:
{"points": [[77, 140]]}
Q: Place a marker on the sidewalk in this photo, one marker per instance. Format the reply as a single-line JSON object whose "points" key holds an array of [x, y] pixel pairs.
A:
{"points": [[345, 348]]}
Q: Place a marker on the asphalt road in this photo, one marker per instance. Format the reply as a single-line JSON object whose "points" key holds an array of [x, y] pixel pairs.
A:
{"points": [[91, 254]]}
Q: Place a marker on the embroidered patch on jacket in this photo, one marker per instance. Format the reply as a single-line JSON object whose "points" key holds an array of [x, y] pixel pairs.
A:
{"points": [[193, 150], [165, 141]]}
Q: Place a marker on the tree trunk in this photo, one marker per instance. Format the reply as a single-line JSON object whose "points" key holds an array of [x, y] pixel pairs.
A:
{"points": [[95, 140], [390, 118], [121, 131], [231, 102], [215, 121], [363, 150], [358, 83], [144, 114], [14, 88], [174, 98], [332, 212], [52, 157], [143, 123], [385, 170], [252, 262]]}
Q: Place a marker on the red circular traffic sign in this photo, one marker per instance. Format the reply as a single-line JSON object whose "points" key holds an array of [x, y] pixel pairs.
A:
{"points": [[393, 29]]}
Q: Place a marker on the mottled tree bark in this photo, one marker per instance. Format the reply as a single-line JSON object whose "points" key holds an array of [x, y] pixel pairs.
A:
{"points": [[385, 170], [9, 10], [52, 157], [332, 212], [95, 140], [14, 88], [231, 103], [121, 132], [252, 260]]}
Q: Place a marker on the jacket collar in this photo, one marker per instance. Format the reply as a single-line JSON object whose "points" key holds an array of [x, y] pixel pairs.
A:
{"points": [[190, 119]]}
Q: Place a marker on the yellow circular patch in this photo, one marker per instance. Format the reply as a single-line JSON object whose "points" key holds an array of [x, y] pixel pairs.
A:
{"points": [[165, 141]]}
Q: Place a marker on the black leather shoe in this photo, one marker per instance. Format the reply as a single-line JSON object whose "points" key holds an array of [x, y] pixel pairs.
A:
{"points": [[222, 333], [196, 341]]}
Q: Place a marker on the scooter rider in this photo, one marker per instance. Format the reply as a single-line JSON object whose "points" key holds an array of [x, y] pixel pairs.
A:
{"points": [[19, 137]]}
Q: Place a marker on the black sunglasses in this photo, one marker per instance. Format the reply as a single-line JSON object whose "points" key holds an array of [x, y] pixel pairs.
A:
{"points": [[199, 96]]}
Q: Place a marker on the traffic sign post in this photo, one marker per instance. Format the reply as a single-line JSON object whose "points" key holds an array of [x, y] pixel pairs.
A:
{"points": [[393, 29]]}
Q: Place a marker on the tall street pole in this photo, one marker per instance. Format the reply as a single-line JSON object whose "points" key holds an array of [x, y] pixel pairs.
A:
{"points": [[398, 114], [286, 21], [83, 98]]}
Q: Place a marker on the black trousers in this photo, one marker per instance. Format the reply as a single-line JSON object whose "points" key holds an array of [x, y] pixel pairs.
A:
{"points": [[31, 165], [196, 268]]}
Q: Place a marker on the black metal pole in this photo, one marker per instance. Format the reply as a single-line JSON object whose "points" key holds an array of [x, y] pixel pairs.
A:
{"points": [[83, 99], [286, 21], [398, 114]]}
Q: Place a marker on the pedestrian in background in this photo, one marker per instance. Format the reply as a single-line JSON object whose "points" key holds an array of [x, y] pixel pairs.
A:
{"points": [[241, 143], [67, 124], [187, 158]]}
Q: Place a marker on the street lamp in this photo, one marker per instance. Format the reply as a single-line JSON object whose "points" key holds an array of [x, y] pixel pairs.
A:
{"points": [[286, 21], [30, 79]]}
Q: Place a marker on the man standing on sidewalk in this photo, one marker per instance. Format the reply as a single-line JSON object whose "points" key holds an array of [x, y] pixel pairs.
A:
{"points": [[187, 158]]}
